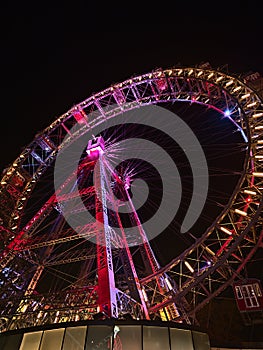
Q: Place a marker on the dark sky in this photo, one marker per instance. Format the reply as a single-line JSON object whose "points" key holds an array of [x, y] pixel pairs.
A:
{"points": [[55, 56]]}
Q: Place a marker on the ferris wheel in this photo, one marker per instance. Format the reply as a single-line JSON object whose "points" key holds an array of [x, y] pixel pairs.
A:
{"points": [[81, 233]]}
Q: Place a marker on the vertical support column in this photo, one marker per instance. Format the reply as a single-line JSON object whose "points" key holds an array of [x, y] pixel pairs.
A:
{"points": [[135, 288], [106, 283], [162, 281], [149, 252], [24, 303], [32, 285]]}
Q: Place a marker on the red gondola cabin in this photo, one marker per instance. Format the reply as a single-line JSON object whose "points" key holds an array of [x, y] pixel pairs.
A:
{"points": [[248, 295]]}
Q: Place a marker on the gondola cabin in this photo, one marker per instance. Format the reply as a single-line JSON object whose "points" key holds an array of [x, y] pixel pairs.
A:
{"points": [[248, 295]]}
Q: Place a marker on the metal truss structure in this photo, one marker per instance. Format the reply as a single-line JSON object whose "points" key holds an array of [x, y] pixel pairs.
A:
{"points": [[97, 265]]}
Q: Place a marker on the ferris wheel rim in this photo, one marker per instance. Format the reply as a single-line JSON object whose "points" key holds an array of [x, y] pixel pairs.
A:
{"points": [[228, 80], [155, 74]]}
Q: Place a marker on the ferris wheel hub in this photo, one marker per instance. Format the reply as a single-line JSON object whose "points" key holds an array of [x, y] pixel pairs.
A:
{"points": [[95, 148]]}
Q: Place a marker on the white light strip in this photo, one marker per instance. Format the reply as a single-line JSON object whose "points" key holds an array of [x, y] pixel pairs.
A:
{"points": [[237, 88], [260, 127], [257, 115], [209, 251], [245, 96], [144, 295], [252, 104], [189, 266], [229, 82], [168, 283], [241, 212], [253, 193], [218, 79], [225, 230], [257, 174]]}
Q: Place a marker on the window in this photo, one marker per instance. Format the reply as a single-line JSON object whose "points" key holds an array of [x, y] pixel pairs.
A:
{"points": [[127, 337], [257, 289], [52, 339], [181, 339], [250, 297], [31, 341], [238, 292], [74, 338], [12, 342], [99, 337], [201, 341], [155, 338]]}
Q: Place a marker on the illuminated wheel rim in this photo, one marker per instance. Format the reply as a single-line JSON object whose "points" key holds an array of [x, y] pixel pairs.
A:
{"points": [[235, 235]]}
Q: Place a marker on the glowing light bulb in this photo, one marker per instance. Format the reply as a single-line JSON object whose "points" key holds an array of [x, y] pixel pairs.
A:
{"points": [[227, 113]]}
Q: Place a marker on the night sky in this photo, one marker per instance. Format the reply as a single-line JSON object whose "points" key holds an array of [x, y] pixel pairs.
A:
{"points": [[56, 56]]}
